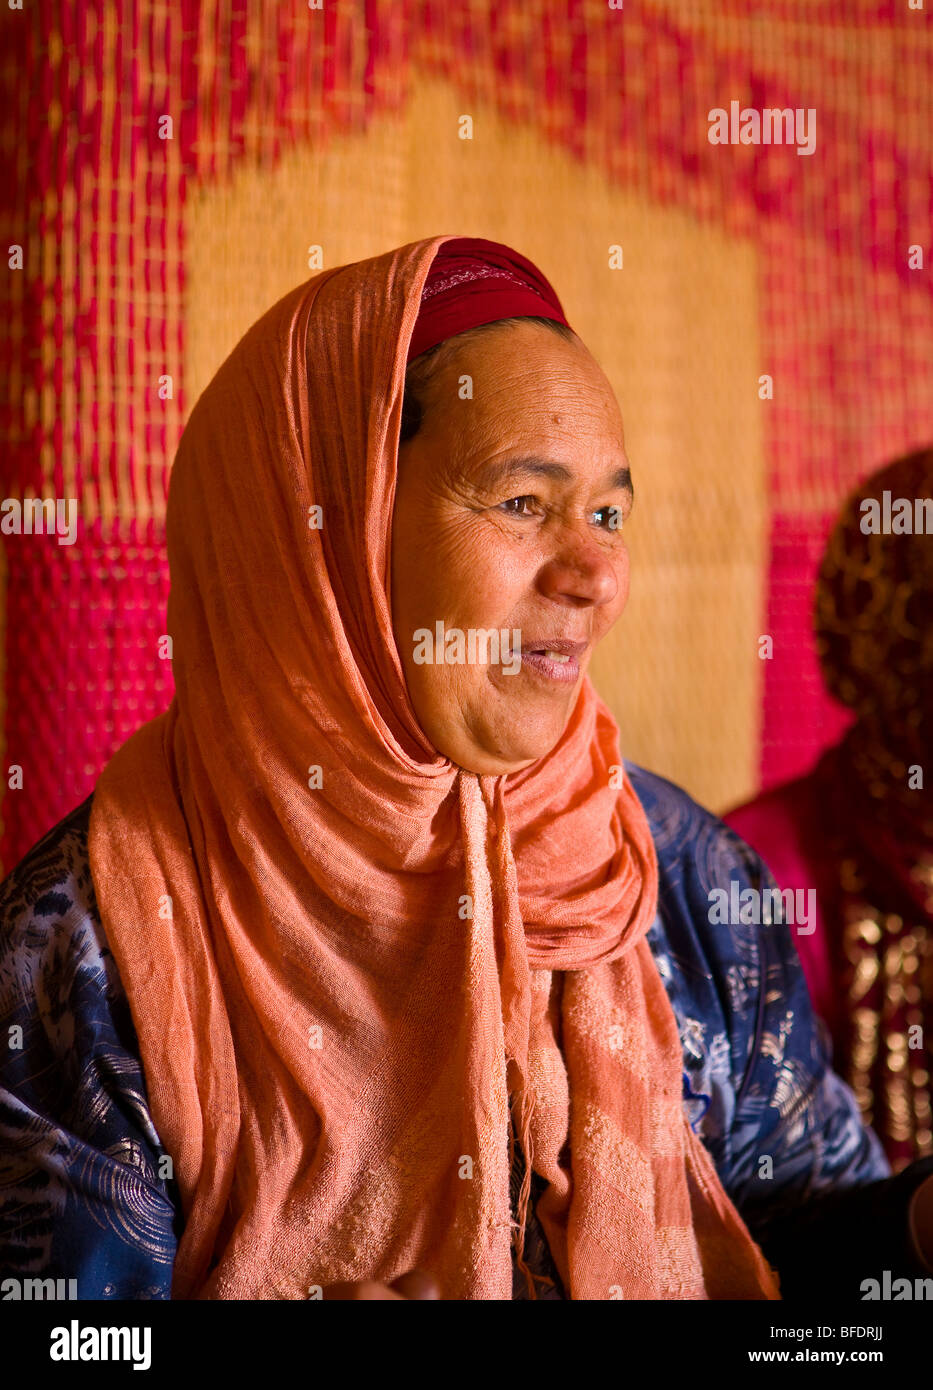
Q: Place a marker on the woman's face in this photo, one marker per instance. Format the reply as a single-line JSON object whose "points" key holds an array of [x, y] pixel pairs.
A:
{"points": [[483, 542]]}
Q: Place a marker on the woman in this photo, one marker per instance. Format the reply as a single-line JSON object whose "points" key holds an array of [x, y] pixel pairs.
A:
{"points": [[393, 923], [859, 827]]}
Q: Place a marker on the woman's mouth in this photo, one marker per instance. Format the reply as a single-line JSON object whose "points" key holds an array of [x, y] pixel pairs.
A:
{"points": [[557, 661]]}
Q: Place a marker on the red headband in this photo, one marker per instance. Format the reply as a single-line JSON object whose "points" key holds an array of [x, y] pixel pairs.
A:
{"points": [[474, 281]]}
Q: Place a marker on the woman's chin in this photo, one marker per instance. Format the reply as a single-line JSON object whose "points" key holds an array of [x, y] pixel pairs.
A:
{"points": [[493, 737], [498, 756]]}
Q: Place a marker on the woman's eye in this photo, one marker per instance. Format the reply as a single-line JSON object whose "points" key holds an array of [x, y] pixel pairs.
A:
{"points": [[612, 518], [608, 518], [514, 505]]}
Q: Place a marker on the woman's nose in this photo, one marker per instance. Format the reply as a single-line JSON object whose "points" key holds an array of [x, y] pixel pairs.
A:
{"points": [[579, 570]]}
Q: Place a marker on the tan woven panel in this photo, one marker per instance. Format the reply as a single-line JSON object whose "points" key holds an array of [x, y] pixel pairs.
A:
{"points": [[675, 330]]}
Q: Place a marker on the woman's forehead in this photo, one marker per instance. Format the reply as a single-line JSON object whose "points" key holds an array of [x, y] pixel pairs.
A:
{"points": [[525, 369]]}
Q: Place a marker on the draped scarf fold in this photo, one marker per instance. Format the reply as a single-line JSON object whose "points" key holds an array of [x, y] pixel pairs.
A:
{"points": [[357, 972]]}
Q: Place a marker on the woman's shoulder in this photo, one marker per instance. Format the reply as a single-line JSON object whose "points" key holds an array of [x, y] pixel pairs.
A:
{"points": [[54, 869], [666, 804], [51, 938], [73, 1104], [59, 982], [713, 968], [697, 851]]}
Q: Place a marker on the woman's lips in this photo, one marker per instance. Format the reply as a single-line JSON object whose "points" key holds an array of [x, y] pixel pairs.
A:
{"points": [[557, 660], [565, 669]]}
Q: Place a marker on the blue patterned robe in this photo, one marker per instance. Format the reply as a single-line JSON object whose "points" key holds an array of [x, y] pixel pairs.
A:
{"points": [[82, 1193]]}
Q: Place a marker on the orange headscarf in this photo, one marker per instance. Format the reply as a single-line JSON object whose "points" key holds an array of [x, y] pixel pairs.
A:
{"points": [[343, 953]]}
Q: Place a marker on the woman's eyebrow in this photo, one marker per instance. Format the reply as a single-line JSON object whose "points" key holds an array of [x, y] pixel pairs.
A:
{"points": [[496, 473]]}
